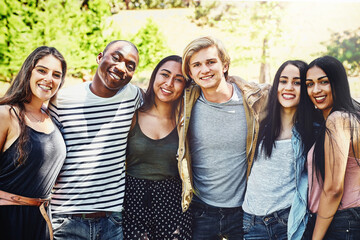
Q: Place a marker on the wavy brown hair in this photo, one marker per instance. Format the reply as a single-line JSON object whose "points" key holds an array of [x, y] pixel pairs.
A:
{"points": [[20, 93]]}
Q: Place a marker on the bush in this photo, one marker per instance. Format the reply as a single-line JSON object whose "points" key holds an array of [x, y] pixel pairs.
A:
{"points": [[78, 33], [151, 44], [155, 4], [345, 46]]}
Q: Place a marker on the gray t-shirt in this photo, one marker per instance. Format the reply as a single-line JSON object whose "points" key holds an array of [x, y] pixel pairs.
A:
{"points": [[218, 150], [271, 184]]}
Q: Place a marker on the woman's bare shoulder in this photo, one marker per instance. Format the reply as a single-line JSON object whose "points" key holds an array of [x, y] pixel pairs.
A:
{"points": [[5, 115]]}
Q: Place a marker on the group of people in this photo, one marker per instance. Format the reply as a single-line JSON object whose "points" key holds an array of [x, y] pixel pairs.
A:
{"points": [[198, 155]]}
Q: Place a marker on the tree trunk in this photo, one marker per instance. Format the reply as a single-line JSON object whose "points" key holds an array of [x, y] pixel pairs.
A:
{"points": [[264, 67]]}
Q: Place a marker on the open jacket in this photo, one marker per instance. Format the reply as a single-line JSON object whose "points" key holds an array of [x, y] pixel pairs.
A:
{"points": [[254, 99], [299, 214]]}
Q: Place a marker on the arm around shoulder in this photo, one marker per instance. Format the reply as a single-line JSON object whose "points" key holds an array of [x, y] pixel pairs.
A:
{"points": [[264, 87]]}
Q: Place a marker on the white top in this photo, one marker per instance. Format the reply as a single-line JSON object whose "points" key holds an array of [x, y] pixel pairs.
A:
{"points": [[271, 184]]}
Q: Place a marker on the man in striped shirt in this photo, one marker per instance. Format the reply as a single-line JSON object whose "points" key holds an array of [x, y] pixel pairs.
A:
{"points": [[95, 118]]}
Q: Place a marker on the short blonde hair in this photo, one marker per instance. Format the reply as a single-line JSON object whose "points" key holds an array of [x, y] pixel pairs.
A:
{"points": [[202, 43]]}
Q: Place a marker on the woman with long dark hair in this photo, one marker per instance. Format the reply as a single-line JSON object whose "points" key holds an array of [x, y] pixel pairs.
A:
{"points": [[153, 187], [32, 148], [275, 198], [333, 161]]}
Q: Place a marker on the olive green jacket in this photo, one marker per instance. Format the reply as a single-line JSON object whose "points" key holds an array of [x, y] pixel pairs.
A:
{"points": [[254, 97]]}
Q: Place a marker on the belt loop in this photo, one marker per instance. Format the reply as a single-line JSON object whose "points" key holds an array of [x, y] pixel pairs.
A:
{"points": [[253, 217], [276, 216]]}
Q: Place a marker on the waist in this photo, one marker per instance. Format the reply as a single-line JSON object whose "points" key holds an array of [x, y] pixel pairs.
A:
{"points": [[276, 214], [13, 199], [349, 213], [197, 203], [87, 216]]}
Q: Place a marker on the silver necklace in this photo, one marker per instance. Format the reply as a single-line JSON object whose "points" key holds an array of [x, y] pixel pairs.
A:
{"points": [[37, 120]]}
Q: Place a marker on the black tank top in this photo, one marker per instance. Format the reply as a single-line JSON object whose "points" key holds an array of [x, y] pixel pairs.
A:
{"points": [[35, 178]]}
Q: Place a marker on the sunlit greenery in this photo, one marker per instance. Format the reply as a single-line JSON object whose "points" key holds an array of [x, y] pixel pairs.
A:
{"points": [[78, 31], [258, 34], [345, 46], [151, 45]]}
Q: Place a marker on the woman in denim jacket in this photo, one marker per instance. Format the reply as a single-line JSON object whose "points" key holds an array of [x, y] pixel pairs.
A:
{"points": [[275, 199]]}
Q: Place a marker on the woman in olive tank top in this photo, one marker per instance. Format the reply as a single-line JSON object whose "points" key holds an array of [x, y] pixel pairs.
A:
{"points": [[153, 187], [32, 148]]}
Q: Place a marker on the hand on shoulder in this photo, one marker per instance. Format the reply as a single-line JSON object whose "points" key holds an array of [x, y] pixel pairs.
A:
{"points": [[242, 82]]}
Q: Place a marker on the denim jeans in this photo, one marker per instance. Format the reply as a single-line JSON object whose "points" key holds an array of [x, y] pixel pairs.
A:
{"points": [[77, 228], [273, 226], [345, 225], [212, 223]]}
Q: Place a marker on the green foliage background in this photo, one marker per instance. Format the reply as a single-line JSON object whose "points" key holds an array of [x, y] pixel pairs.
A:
{"points": [[151, 45], [345, 46], [255, 33], [78, 32]]}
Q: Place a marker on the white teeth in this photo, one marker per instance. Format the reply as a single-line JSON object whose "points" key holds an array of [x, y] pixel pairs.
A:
{"points": [[44, 87], [115, 76], [320, 98], [288, 96], [205, 78], [167, 91]]}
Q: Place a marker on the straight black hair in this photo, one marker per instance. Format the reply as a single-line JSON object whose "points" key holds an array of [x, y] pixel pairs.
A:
{"points": [[342, 101], [271, 124]]}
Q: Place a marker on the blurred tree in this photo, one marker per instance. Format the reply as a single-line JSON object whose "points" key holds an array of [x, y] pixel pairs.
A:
{"points": [[78, 29], [345, 46], [202, 13], [151, 44], [154, 4], [265, 21], [257, 23]]}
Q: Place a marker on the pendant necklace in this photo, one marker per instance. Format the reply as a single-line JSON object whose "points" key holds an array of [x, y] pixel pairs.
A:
{"points": [[37, 120]]}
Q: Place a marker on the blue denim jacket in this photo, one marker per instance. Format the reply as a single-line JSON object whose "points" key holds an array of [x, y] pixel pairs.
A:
{"points": [[299, 214]]}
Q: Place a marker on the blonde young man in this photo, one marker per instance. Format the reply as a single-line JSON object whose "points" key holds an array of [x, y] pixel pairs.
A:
{"points": [[217, 140]]}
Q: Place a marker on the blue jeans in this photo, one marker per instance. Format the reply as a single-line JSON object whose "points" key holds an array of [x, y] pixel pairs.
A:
{"points": [[345, 225], [212, 223], [272, 226], [77, 228]]}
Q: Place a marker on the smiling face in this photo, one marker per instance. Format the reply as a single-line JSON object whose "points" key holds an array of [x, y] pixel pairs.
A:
{"points": [[116, 68], [169, 82], [45, 78], [289, 87], [206, 68], [319, 89]]}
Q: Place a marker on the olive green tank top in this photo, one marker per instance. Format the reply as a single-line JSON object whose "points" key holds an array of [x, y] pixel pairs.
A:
{"points": [[151, 159]]}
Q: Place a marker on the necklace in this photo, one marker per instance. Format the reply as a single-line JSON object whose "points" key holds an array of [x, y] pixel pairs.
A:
{"points": [[37, 120]]}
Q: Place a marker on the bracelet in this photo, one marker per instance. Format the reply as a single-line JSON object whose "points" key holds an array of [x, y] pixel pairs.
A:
{"points": [[325, 217]]}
